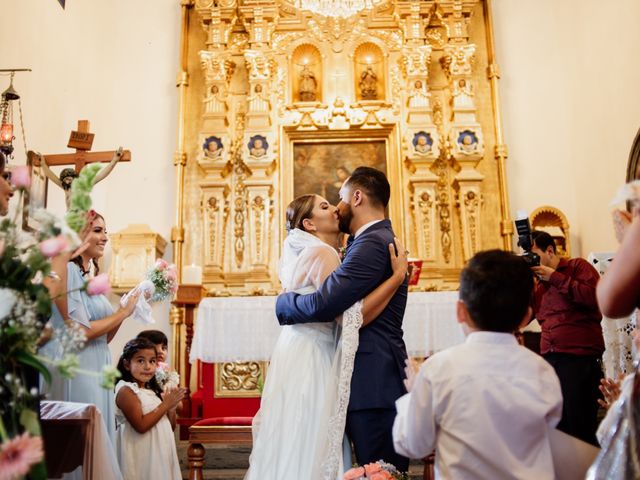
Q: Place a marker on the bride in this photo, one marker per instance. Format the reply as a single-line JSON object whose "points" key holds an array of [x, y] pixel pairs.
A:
{"points": [[298, 432]]}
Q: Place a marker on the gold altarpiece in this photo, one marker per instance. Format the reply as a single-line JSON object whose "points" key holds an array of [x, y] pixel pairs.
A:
{"points": [[269, 93]]}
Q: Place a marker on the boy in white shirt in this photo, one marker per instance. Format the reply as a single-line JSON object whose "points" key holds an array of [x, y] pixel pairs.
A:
{"points": [[484, 406]]}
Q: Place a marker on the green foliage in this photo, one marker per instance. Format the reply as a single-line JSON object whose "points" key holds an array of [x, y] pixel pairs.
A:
{"points": [[80, 200]]}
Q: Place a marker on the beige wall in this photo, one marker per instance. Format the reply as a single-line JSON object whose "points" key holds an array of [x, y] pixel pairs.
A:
{"points": [[114, 63], [571, 103], [570, 78]]}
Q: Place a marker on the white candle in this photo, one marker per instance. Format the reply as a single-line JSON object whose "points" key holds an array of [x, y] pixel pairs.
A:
{"points": [[192, 275]]}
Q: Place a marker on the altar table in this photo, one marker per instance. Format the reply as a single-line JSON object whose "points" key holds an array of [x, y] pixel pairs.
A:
{"points": [[235, 329], [243, 329]]}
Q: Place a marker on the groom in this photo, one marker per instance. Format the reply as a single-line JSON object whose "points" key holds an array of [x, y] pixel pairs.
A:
{"points": [[379, 365]]}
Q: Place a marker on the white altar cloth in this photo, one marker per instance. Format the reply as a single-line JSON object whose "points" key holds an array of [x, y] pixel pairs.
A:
{"points": [[235, 329]]}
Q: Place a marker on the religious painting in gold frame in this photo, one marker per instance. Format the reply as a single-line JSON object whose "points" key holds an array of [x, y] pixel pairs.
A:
{"points": [[322, 168], [319, 161]]}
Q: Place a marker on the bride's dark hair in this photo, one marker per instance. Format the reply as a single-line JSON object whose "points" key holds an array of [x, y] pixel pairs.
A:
{"points": [[298, 210]]}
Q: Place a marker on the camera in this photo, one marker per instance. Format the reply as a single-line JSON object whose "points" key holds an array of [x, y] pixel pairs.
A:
{"points": [[525, 241]]}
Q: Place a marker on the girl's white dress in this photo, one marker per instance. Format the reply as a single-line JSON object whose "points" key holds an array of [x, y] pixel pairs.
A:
{"points": [[299, 429], [149, 455]]}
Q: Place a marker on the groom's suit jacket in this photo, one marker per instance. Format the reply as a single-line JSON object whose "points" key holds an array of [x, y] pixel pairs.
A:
{"points": [[379, 364]]}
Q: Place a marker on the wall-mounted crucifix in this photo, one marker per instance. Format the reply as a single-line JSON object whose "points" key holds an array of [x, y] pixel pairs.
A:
{"points": [[82, 141]]}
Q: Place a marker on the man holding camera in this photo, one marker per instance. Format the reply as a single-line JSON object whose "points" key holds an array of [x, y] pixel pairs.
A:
{"points": [[565, 305]]}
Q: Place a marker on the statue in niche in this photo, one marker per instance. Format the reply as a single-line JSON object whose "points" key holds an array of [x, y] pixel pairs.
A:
{"points": [[258, 102], [369, 84], [308, 85], [418, 97], [213, 102], [462, 94]]}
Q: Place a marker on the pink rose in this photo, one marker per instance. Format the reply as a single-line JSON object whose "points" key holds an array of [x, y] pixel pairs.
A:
{"points": [[161, 264], [20, 177], [163, 366], [53, 246], [354, 474], [172, 274], [99, 285], [371, 468]]}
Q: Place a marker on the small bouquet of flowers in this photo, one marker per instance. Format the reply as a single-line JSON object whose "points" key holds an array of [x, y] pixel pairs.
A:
{"points": [[166, 378], [379, 470], [161, 283], [164, 278]]}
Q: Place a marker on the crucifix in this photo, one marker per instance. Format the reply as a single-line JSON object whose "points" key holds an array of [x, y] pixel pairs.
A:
{"points": [[82, 141]]}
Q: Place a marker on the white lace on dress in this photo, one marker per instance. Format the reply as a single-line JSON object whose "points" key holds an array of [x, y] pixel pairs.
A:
{"points": [[345, 358], [301, 412]]}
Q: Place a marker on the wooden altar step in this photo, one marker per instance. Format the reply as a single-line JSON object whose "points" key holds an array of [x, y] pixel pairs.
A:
{"points": [[225, 462]]}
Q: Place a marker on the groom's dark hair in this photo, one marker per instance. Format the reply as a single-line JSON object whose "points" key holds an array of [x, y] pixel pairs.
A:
{"points": [[496, 287], [373, 182]]}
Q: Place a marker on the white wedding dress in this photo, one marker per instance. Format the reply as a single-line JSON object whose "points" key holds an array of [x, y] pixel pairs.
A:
{"points": [[298, 431]]}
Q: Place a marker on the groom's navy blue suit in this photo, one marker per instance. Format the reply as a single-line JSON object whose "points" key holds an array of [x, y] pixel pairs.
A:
{"points": [[378, 373]]}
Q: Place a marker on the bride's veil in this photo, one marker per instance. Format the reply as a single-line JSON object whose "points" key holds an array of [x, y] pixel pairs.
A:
{"points": [[294, 244]]}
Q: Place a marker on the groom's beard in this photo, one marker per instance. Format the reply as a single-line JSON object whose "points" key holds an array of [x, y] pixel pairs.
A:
{"points": [[344, 221]]}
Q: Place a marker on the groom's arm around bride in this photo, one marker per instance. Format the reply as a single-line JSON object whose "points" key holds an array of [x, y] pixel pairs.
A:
{"points": [[379, 364]]}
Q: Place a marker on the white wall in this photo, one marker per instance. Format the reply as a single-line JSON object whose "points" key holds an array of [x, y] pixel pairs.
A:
{"points": [[571, 103], [114, 63]]}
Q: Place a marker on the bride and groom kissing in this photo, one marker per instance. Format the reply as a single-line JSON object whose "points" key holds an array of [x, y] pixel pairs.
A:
{"points": [[338, 366]]}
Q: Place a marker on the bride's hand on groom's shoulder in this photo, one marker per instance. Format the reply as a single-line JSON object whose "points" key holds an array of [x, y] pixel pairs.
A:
{"points": [[399, 260]]}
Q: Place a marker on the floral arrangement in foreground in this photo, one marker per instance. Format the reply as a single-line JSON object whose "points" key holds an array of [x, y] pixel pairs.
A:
{"points": [[379, 470], [25, 307]]}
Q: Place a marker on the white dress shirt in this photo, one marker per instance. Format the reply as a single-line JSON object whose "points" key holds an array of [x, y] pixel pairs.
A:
{"points": [[364, 227], [484, 406]]}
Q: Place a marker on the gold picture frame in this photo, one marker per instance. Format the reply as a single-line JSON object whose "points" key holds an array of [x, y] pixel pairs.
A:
{"points": [[375, 147]]}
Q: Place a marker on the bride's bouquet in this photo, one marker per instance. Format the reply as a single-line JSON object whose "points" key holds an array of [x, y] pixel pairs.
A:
{"points": [[160, 284], [375, 471]]}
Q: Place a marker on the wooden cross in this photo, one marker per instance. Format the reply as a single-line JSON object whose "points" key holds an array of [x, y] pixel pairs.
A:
{"points": [[82, 140]]}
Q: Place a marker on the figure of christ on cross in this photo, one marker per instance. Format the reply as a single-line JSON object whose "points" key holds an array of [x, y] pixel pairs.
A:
{"points": [[82, 141]]}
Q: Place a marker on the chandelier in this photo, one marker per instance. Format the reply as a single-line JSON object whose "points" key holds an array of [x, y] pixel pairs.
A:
{"points": [[336, 8]]}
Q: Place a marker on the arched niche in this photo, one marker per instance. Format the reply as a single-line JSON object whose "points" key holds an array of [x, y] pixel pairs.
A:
{"points": [[306, 65], [551, 220], [368, 67]]}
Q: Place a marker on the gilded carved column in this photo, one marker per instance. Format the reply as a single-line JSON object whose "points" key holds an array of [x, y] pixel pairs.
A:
{"points": [[215, 212], [260, 212], [465, 135]]}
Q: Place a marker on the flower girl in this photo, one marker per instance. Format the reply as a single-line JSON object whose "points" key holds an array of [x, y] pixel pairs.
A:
{"points": [[145, 415]]}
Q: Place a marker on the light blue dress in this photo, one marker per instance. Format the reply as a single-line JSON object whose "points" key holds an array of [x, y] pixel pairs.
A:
{"points": [[84, 309]]}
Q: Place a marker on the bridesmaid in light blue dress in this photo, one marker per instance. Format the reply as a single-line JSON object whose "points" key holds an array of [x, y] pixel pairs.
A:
{"points": [[98, 320]]}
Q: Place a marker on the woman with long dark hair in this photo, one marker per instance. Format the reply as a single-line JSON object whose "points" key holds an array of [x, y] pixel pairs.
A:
{"points": [[95, 317]]}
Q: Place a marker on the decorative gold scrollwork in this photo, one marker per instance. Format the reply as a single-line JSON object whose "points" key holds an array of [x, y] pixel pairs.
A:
{"points": [[239, 379]]}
